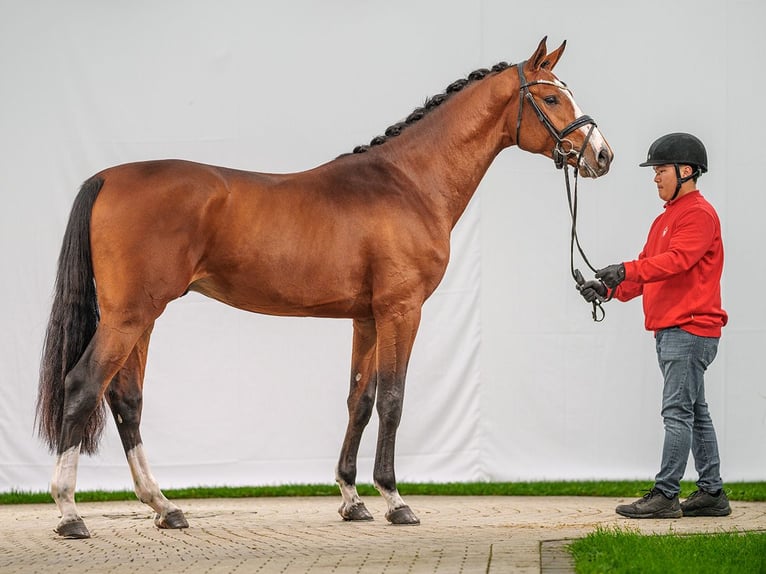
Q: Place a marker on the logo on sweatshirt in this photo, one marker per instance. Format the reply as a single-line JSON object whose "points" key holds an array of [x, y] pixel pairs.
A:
{"points": [[665, 231]]}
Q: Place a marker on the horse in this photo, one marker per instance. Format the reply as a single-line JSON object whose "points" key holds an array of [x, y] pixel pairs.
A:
{"points": [[365, 236]]}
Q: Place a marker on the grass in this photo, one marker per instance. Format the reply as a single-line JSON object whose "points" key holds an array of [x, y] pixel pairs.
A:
{"points": [[749, 491], [625, 550]]}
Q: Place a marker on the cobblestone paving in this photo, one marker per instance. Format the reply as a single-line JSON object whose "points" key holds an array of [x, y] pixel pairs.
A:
{"points": [[305, 535]]}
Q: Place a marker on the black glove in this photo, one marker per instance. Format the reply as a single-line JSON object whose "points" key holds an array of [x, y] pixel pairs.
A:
{"points": [[613, 275], [592, 290]]}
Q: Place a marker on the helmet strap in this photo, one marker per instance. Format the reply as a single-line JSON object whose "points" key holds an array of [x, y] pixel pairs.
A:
{"points": [[682, 180]]}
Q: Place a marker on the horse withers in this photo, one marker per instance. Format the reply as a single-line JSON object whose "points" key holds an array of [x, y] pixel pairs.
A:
{"points": [[364, 237]]}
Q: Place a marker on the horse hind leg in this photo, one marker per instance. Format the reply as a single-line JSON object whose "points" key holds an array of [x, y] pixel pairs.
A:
{"points": [[361, 400], [82, 422], [63, 483], [125, 398]]}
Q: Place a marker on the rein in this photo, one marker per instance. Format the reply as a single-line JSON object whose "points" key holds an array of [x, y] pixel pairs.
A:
{"points": [[561, 151], [598, 313]]}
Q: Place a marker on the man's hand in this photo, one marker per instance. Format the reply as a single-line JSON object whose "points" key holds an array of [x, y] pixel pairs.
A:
{"points": [[592, 290], [613, 275]]}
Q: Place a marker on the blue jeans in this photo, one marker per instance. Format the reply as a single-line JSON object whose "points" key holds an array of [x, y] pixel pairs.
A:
{"points": [[683, 360]]}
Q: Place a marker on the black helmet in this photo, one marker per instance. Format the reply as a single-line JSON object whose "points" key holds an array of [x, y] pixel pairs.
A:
{"points": [[677, 148]]}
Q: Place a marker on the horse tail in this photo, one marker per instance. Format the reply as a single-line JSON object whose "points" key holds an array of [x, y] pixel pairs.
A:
{"points": [[72, 324]]}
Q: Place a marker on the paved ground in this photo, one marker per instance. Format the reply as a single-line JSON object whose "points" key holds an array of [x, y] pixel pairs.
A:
{"points": [[306, 535]]}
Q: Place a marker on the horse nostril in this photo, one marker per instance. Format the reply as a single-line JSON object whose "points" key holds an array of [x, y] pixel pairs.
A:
{"points": [[604, 157]]}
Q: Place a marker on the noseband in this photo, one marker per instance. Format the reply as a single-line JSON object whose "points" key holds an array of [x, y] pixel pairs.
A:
{"points": [[563, 147], [561, 150]]}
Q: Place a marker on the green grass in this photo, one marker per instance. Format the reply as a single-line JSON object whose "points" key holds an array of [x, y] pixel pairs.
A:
{"points": [[750, 491], [625, 550]]}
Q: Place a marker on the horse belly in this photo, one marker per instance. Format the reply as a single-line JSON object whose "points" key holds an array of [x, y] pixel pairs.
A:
{"points": [[289, 289]]}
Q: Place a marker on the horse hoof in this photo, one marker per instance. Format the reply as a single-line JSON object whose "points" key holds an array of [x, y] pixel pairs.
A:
{"points": [[356, 512], [402, 515], [72, 529], [173, 519]]}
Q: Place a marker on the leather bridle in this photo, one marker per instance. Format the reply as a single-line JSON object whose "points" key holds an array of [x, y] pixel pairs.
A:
{"points": [[563, 146], [561, 150]]}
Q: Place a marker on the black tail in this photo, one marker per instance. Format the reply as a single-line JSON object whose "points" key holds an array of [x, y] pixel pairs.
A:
{"points": [[72, 323]]}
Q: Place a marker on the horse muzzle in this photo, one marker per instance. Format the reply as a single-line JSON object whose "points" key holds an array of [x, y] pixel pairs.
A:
{"points": [[595, 159]]}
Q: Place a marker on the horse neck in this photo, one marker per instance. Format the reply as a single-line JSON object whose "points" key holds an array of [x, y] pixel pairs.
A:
{"points": [[448, 152]]}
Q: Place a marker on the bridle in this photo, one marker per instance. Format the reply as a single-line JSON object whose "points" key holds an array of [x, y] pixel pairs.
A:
{"points": [[561, 150], [563, 147]]}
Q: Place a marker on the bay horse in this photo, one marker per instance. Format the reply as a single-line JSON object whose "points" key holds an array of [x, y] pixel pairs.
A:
{"points": [[364, 237]]}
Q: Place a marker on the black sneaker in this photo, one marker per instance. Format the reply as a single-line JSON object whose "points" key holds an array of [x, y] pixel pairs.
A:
{"points": [[702, 503], [654, 504]]}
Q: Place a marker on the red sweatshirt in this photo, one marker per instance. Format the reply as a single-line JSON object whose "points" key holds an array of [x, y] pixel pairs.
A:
{"points": [[679, 270]]}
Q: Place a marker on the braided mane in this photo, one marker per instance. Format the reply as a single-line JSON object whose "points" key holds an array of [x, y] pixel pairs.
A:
{"points": [[431, 103]]}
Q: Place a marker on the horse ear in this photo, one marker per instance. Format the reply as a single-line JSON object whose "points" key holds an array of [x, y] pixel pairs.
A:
{"points": [[551, 59], [536, 60]]}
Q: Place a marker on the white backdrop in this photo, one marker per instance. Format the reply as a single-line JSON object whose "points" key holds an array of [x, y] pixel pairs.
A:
{"points": [[510, 379]]}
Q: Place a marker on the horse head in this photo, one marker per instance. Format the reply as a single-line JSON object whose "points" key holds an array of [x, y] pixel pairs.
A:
{"points": [[550, 122]]}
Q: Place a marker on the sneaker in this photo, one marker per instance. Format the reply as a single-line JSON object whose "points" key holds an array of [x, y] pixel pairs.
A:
{"points": [[654, 504], [702, 503]]}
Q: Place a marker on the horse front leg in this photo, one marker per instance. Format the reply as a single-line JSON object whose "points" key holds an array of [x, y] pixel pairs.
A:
{"points": [[396, 336], [125, 398], [361, 399]]}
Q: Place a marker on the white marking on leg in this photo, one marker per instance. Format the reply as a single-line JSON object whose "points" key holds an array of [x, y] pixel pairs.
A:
{"points": [[349, 494], [391, 497], [146, 487], [64, 482]]}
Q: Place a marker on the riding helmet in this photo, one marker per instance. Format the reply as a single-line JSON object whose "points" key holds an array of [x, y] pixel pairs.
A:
{"points": [[677, 148]]}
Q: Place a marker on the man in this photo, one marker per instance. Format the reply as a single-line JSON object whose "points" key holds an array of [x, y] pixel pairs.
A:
{"points": [[678, 273]]}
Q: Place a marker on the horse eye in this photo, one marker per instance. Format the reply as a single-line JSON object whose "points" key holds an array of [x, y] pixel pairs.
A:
{"points": [[551, 100]]}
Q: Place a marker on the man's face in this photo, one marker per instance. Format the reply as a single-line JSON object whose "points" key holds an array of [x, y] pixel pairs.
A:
{"points": [[666, 180]]}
